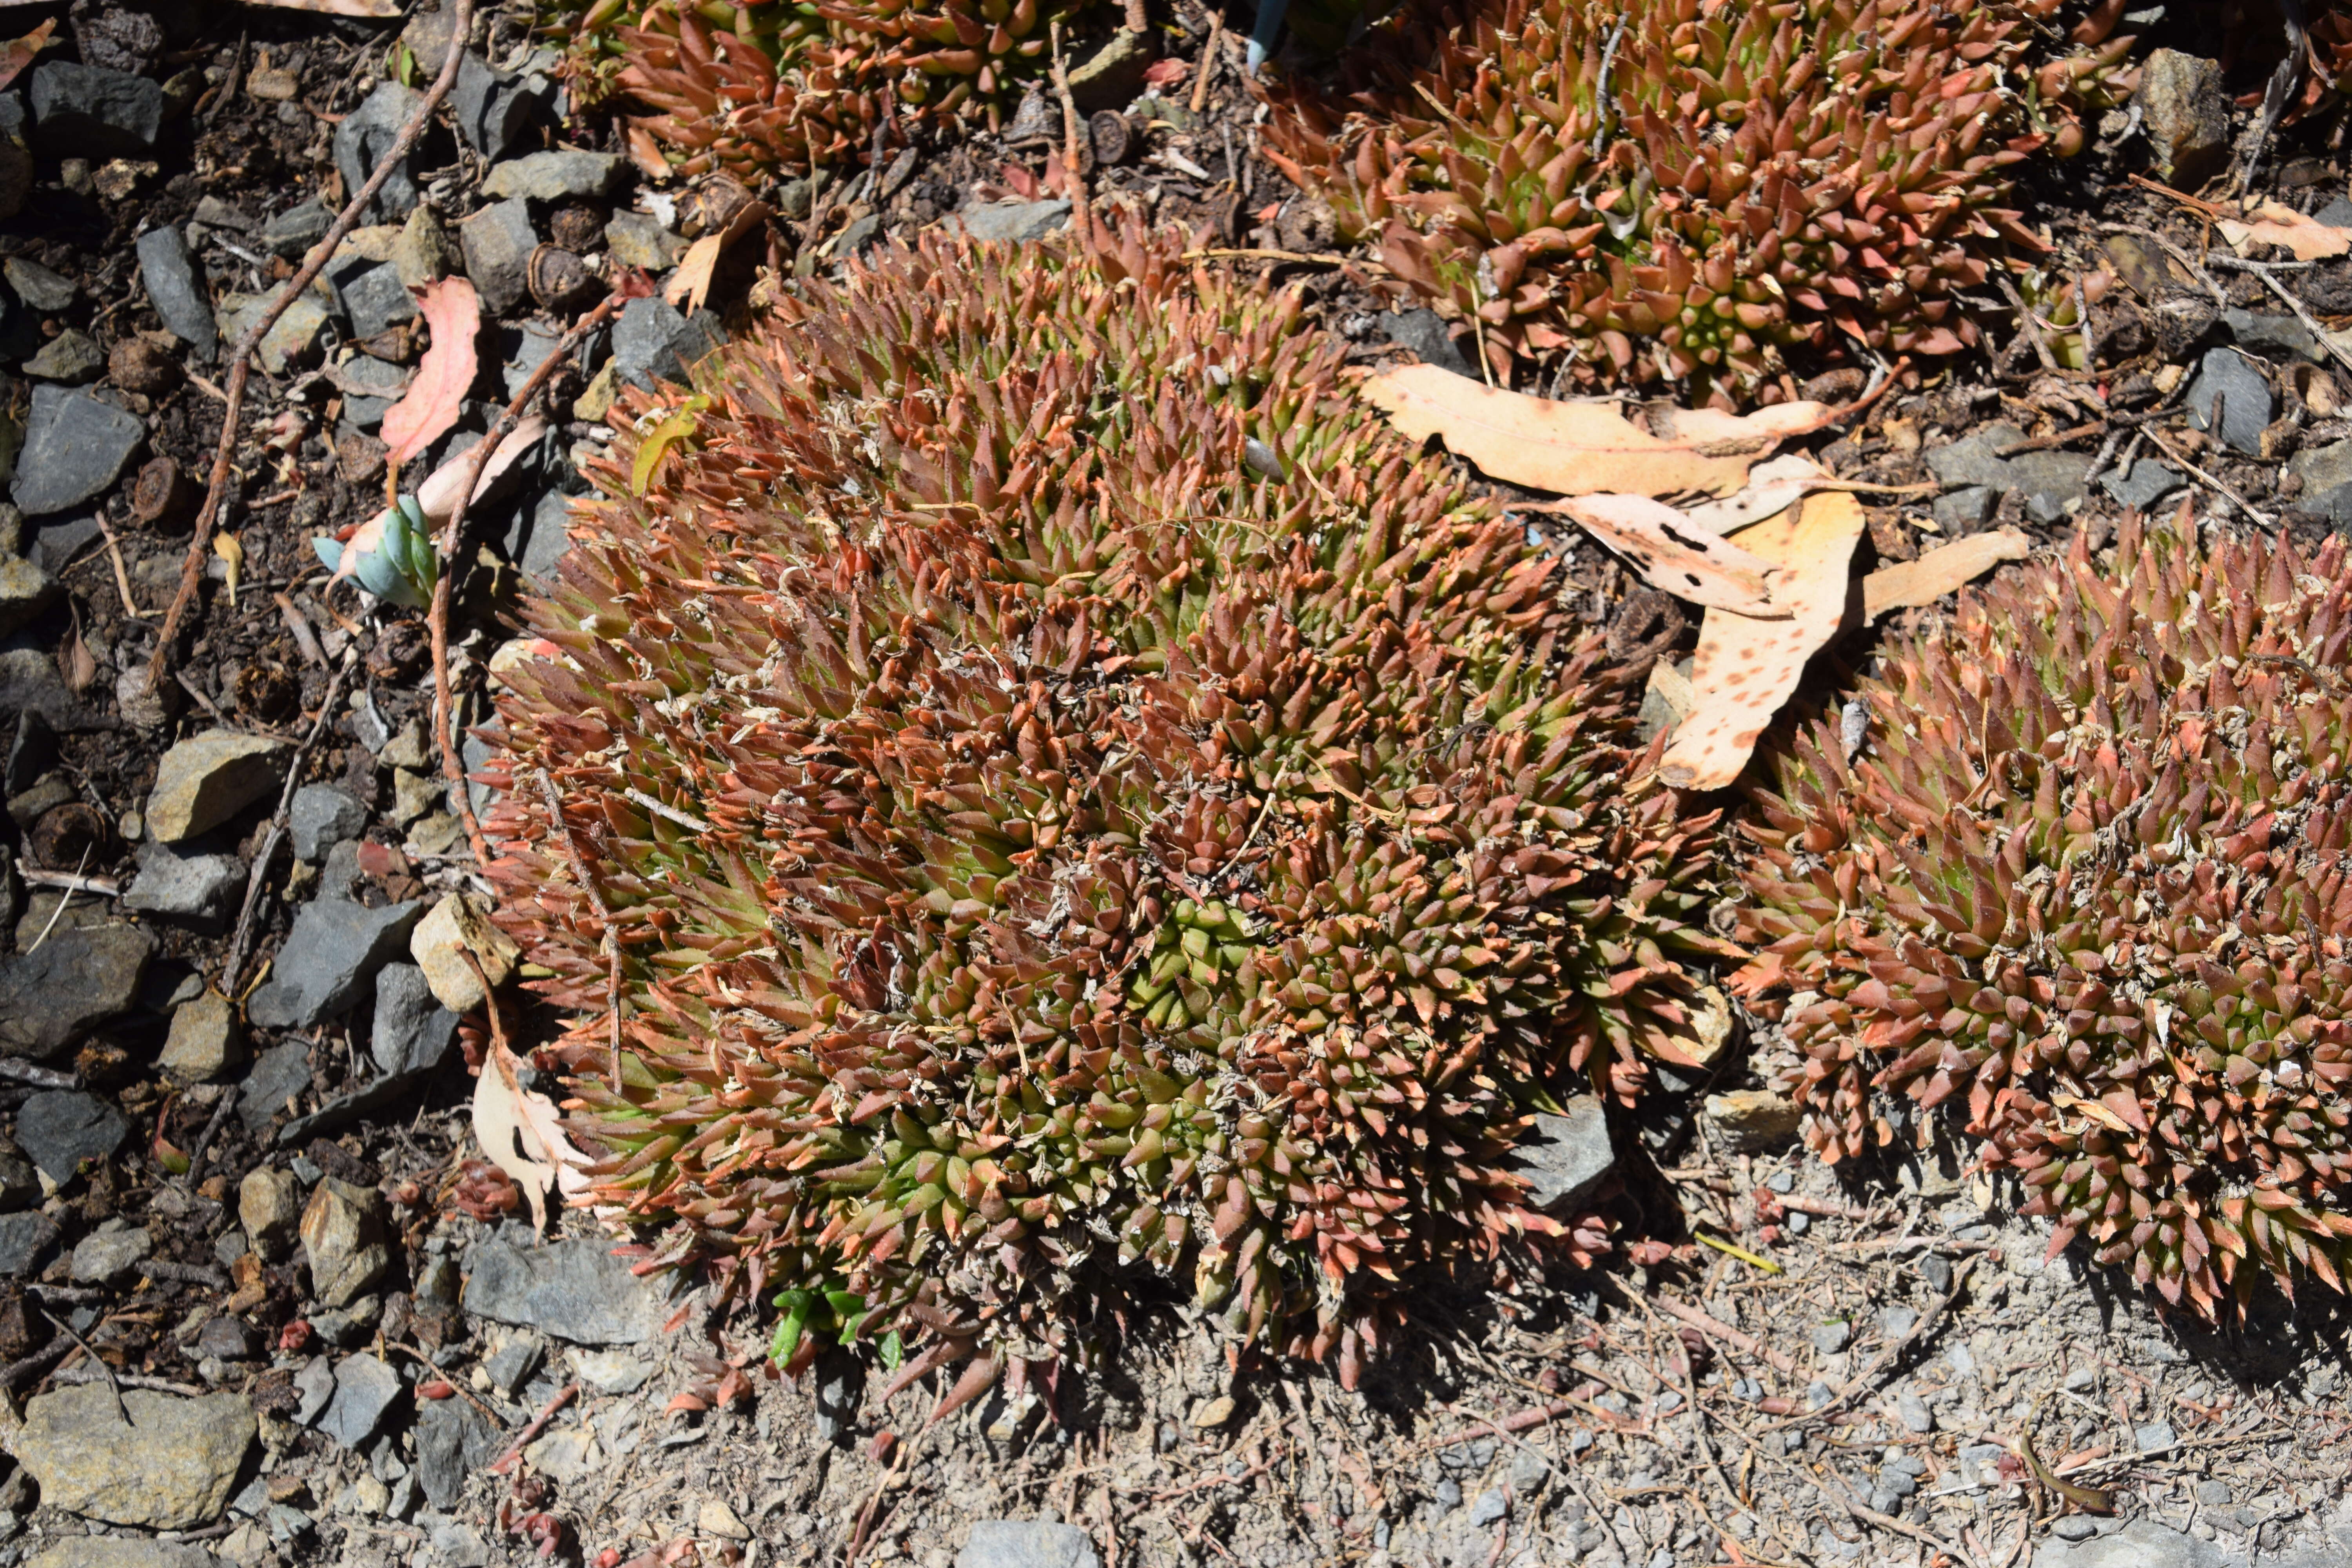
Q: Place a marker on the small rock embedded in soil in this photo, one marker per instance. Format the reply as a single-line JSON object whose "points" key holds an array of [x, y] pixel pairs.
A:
{"points": [[196, 888], [364, 137], [291, 234], [46, 291], [575, 1290], [334, 950], [26, 1240], [269, 1207], [1113, 74], [374, 297], [2273, 332], [413, 1031], [558, 175], [651, 342], [84, 111], [453, 1441], [177, 289], [1011, 222], [365, 1391], [342, 1230], [2186, 114], [291, 340], [25, 592], [2142, 1544], [69, 359], [76, 979], [1423, 331], [2055, 477], [639, 239], [498, 241], [169, 1469], [2143, 484], [1028, 1543], [277, 1077], [208, 779], [119, 1552], [321, 817], [76, 445], [1749, 1121], [111, 1256], [1566, 1158], [2247, 405], [491, 106]]}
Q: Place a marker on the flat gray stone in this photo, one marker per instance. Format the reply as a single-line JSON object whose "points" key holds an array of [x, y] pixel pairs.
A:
{"points": [[205, 1041], [169, 1469], [290, 341], [111, 1257], [375, 299], [78, 979], [551, 537], [2142, 1544], [574, 1290], [491, 106], [639, 239], [365, 1391], [1975, 461], [76, 445], [651, 342], [498, 241], [292, 233], [70, 358], [2274, 333], [413, 1030], [175, 287], [321, 817], [2228, 379], [198, 888], [560, 175], [30, 683], [333, 950], [314, 1385], [1011, 222], [2323, 468], [453, 1441], [278, 1074], [26, 1240], [362, 138], [119, 1552], [85, 111], [2143, 484], [1963, 511], [1027, 1543], [1565, 1158], [1425, 332], [45, 290], [25, 592]]}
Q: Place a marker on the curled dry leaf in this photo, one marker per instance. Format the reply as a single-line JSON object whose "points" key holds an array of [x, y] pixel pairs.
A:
{"points": [[2272, 222], [1773, 487], [436, 395], [1941, 571], [1746, 669], [231, 550], [1660, 543], [1581, 448], [689, 286], [438, 496], [519, 1134]]}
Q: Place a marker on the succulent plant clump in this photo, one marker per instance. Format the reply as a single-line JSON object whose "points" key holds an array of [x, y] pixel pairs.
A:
{"points": [[758, 86], [1078, 799], [1674, 189], [2086, 888]]}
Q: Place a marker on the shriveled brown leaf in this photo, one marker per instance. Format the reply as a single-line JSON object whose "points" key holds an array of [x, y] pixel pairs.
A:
{"points": [[2272, 222], [18, 53], [1940, 572], [437, 393], [1582, 448], [1660, 543], [520, 1133], [689, 286], [1745, 669]]}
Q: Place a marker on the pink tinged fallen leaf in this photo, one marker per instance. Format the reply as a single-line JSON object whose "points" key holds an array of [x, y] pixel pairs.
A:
{"points": [[2272, 222], [1660, 543], [436, 396], [1746, 669], [1941, 571], [1773, 487], [1582, 448], [689, 286], [438, 496], [520, 1133]]}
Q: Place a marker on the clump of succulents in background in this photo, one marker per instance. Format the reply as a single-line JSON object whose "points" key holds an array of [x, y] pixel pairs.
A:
{"points": [[1080, 801], [1690, 189], [2086, 888], [761, 86]]}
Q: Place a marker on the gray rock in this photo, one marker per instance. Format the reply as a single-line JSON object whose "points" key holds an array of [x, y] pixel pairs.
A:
{"points": [[177, 289], [25, 592], [45, 290], [57, 544], [575, 1290], [2058, 476], [491, 106], [1751, 1119], [1027, 1543], [1914, 1413], [550, 538], [279, 1075], [1011, 221], [856, 238], [498, 242], [228, 1338], [362, 138], [78, 979], [1831, 1338], [2336, 214], [2154, 1435], [2186, 114], [619, 1372], [208, 779], [511, 1364], [1566, 1157], [639, 239], [2247, 405], [75, 447], [413, 1030], [2142, 1544], [198, 888], [70, 358], [19, 1186], [560, 175], [335, 948], [840, 1388], [315, 1384], [25, 1239], [651, 342], [292, 233], [84, 111], [2321, 468], [205, 1041], [30, 683], [365, 1390], [2143, 484], [119, 1552], [170, 1468], [1488, 1507], [453, 1441], [342, 1230], [111, 1256], [321, 816], [1423, 331], [2274, 333], [375, 299], [290, 341], [270, 1209]]}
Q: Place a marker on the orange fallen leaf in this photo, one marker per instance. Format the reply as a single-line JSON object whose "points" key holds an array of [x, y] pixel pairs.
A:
{"points": [[18, 53], [1940, 572], [2275, 223], [1746, 669], [1661, 544], [1577, 448], [437, 393], [690, 284]]}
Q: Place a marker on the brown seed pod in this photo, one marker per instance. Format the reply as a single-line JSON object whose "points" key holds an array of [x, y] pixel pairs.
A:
{"points": [[561, 280], [163, 494], [1113, 137], [69, 837], [137, 365], [577, 226]]}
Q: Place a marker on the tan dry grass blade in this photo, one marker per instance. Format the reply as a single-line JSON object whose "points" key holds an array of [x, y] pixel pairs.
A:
{"points": [[1746, 669], [1940, 572], [1581, 448]]}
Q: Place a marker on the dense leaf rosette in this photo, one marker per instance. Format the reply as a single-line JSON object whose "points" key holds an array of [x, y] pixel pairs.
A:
{"points": [[2087, 886]]}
